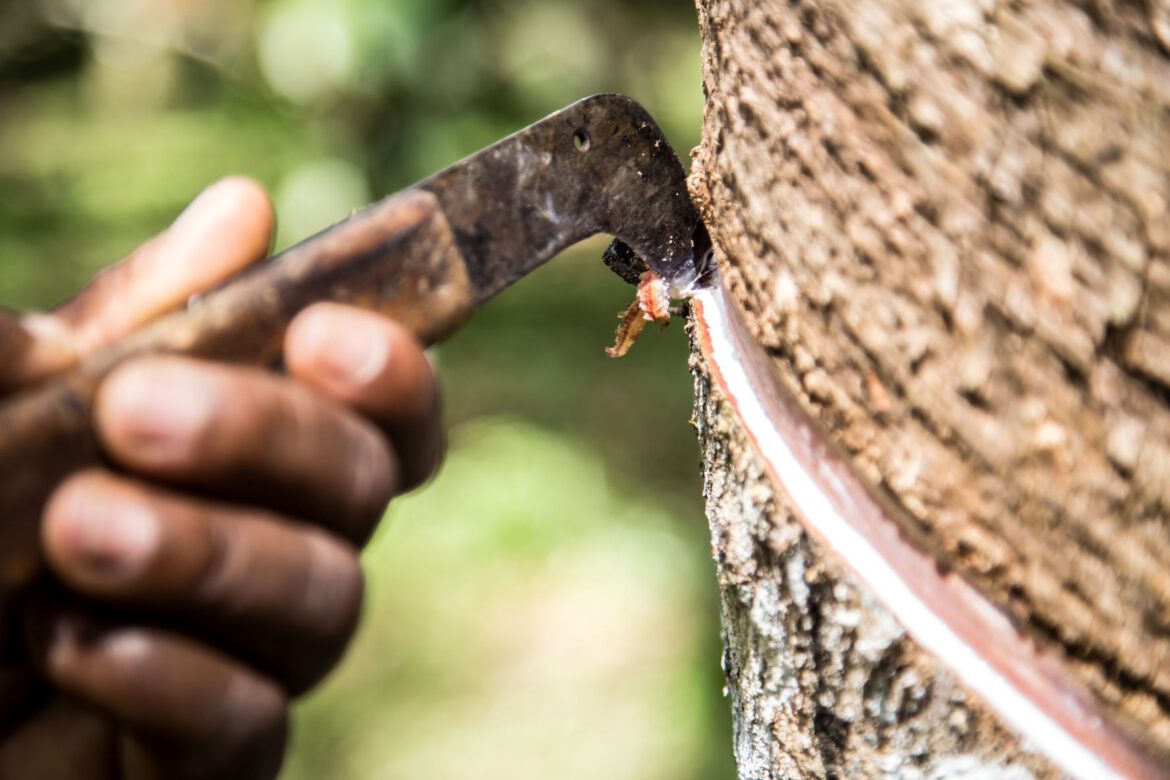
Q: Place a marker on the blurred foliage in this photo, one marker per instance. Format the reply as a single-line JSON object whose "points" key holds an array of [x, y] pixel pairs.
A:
{"points": [[545, 608], [552, 649]]}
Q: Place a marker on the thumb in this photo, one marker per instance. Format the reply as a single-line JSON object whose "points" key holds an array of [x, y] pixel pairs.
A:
{"points": [[14, 340], [227, 228], [23, 336]]}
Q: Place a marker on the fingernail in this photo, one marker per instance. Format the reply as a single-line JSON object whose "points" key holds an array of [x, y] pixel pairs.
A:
{"points": [[69, 638], [159, 408], [348, 348], [110, 538]]}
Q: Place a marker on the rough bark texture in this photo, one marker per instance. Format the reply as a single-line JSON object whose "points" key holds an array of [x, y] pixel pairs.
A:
{"points": [[823, 682], [948, 222]]}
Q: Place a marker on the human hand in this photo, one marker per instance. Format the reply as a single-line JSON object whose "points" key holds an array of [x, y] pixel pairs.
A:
{"points": [[210, 573]]}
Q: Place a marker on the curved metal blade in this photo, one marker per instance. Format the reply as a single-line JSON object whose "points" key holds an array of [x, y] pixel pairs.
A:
{"points": [[602, 165]]}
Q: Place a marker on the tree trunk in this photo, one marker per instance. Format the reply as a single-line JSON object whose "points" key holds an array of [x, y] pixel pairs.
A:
{"points": [[947, 223]]}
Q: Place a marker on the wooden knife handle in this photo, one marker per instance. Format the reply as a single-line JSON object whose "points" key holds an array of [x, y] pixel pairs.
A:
{"points": [[397, 257]]}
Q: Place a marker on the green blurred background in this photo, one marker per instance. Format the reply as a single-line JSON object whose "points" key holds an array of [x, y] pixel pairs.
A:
{"points": [[546, 607]]}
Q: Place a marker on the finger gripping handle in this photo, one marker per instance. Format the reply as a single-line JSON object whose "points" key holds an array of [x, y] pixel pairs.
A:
{"points": [[397, 257]]}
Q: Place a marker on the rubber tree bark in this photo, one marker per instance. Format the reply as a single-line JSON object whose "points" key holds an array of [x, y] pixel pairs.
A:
{"points": [[948, 224]]}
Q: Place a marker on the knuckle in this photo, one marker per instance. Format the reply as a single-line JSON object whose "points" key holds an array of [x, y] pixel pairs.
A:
{"points": [[333, 587], [236, 726], [254, 715], [287, 419], [332, 590], [375, 474], [258, 707], [271, 422], [253, 427], [218, 579]]}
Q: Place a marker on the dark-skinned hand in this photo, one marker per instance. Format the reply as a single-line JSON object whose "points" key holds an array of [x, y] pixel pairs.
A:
{"points": [[210, 574]]}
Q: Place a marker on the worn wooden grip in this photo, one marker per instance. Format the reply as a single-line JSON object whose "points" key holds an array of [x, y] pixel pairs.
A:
{"points": [[397, 257]]}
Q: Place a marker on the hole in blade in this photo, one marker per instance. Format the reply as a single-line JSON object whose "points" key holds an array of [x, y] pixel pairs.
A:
{"points": [[581, 141]]}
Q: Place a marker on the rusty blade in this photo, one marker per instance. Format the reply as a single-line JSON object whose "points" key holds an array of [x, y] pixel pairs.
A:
{"points": [[602, 165]]}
